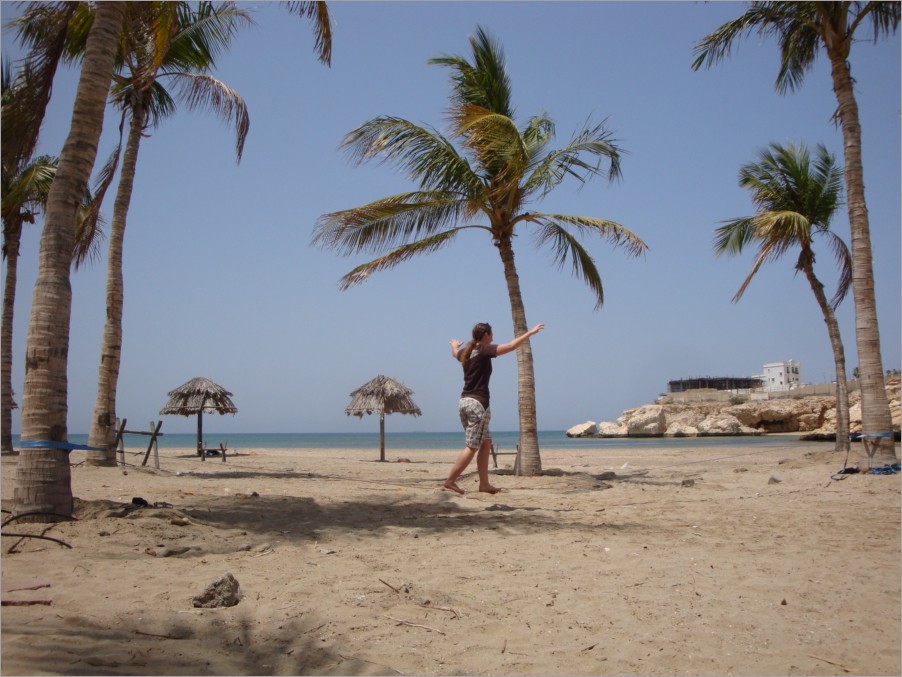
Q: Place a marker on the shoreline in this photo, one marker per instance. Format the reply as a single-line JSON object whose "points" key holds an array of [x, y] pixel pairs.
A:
{"points": [[722, 559]]}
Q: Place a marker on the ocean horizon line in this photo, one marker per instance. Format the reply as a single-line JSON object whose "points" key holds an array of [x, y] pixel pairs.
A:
{"points": [[506, 440]]}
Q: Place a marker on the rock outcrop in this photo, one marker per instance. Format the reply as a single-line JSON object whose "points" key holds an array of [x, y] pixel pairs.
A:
{"points": [[815, 415]]}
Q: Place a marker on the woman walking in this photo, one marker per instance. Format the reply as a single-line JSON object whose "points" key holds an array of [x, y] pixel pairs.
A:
{"points": [[476, 358]]}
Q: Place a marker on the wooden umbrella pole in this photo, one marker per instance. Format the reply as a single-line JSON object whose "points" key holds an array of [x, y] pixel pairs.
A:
{"points": [[200, 432], [382, 436]]}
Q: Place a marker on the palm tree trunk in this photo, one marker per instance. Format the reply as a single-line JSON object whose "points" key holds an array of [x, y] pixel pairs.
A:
{"points": [[875, 413], [43, 481], [102, 433], [530, 460], [839, 360], [12, 235]]}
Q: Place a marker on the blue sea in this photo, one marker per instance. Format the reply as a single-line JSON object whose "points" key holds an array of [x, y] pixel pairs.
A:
{"points": [[505, 441]]}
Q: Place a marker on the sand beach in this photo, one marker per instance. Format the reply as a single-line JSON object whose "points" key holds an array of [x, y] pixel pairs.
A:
{"points": [[694, 561]]}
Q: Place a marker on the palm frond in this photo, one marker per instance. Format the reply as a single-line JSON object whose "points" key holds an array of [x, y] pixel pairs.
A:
{"points": [[200, 37], [799, 45], [786, 229], [538, 132], [883, 16], [388, 222], [844, 264], [88, 234], [551, 169], [318, 14], [423, 154], [763, 255], [43, 29], [565, 246], [612, 232], [496, 143], [397, 256], [484, 82], [734, 236], [200, 91], [716, 46], [791, 23], [25, 192]]}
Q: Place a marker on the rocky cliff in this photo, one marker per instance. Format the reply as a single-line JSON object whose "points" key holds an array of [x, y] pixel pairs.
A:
{"points": [[815, 415]]}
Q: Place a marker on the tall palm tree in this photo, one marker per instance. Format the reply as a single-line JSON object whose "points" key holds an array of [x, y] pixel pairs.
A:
{"points": [[796, 202], [25, 190], [25, 180], [26, 184], [177, 44], [43, 481], [487, 185], [803, 29]]}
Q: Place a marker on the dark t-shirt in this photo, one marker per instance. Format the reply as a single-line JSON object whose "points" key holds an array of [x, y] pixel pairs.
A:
{"points": [[478, 372]]}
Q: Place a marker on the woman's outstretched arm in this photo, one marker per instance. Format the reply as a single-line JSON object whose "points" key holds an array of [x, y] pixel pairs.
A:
{"points": [[511, 346]]}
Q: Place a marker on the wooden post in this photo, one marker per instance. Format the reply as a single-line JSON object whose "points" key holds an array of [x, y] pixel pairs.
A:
{"points": [[154, 431], [120, 445], [222, 448], [382, 436], [200, 433]]}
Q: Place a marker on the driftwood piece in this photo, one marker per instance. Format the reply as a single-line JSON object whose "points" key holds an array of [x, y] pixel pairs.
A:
{"points": [[415, 625], [25, 602], [390, 585]]}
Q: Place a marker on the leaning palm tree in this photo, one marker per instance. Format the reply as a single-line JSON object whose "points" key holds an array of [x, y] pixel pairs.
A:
{"points": [[486, 184], [43, 481], [177, 44], [803, 29], [796, 201]]}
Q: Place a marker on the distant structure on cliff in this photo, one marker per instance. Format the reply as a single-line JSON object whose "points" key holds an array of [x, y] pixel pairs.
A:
{"points": [[732, 383], [777, 376], [781, 376]]}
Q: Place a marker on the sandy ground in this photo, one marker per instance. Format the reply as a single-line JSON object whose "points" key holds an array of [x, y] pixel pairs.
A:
{"points": [[687, 562]]}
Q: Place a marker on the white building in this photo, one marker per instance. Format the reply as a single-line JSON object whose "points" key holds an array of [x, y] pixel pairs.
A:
{"points": [[779, 376]]}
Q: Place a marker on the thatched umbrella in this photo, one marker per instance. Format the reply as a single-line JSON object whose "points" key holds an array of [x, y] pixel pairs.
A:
{"points": [[382, 396], [197, 396]]}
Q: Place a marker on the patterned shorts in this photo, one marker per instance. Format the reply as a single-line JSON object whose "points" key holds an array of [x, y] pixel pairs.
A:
{"points": [[475, 420]]}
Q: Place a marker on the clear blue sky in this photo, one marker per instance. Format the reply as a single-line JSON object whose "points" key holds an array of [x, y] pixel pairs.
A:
{"points": [[221, 280]]}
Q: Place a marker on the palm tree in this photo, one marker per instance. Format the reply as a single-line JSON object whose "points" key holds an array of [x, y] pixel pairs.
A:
{"points": [[25, 192], [163, 42], [175, 43], [26, 184], [796, 201], [486, 185], [803, 29], [43, 482], [25, 180]]}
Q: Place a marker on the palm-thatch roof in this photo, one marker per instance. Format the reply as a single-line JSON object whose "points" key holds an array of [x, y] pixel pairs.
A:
{"points": [[199, 395], [382, 395]]}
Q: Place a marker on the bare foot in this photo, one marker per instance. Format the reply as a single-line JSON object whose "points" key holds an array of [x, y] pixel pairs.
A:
{"points": [[492, 490], [452, 486]]}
